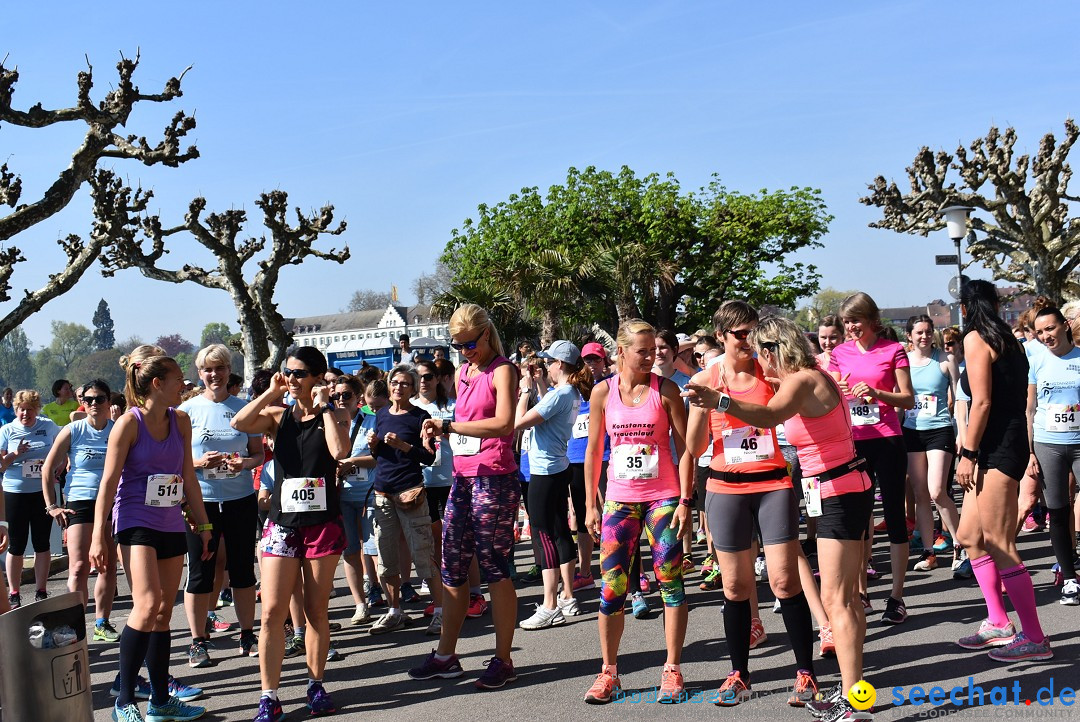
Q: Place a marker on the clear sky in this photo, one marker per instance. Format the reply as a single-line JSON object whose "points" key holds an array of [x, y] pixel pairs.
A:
{"points": [[406, 116]]}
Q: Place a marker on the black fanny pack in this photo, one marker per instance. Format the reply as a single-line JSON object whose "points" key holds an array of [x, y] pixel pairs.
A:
{"points": [[843, 470], [746, 477]]}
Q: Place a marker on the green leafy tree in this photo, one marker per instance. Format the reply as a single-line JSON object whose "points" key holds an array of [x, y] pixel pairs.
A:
{"points": [[215, 332], [130, 343], [47, 369], [104, 336], [186, 361], [104, 365], [70, 342], [16, 366], [366, 299], [823, 303]]}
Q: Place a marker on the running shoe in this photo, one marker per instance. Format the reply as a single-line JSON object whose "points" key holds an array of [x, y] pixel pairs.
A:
{"points": [[434, 628], [173, 711], [708, 564], [761, 571], [526, 532], [41, 595], [543, 618], [915, 542], [1059, 578], [804, 691], [583, 582], [927, 562], [424, 589], [249, 644], [823, 701], [989, 636], [334, 627], [183, 692], [603, 688], [733, 691], [871, 570], [757, 633], [294, 646], [1030, 523], [389, 622], [868, 608], [14, 600], [214, 623], [375, 597], [225, 598], [712, 581], [688, 566], [142, 688], [432, 668], [895, 612], [408, 594], [1070, 593], [105, 632], [362, 615], [568, 607], [943, 542], [644, 584], [639, 605], [776, 609], [532, 575], [828, 647], [332, 653], [671, 686], [269, 710], [842, 711], [1022, 648], [429, 609], [198, 656], [959, 557], [963, 570], [128, 713], [880, 526], [478, 606], [318, 700], [497, 673], [701, 537]]}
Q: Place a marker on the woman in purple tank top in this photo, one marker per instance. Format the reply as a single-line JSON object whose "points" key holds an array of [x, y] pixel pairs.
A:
{"points": [[148, 473]]}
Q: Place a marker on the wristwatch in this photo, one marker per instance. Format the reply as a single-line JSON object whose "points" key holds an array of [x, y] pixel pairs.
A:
{"points": [[724, 402], [445, 426], [968, 453], [686, 501]]}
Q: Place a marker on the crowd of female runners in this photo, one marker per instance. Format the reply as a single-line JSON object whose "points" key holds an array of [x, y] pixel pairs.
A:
{"points": [[427, 468]]}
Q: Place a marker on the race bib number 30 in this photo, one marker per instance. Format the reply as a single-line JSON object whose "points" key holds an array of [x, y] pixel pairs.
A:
{"points": [[299, 495], [746, 444], [1063, 418], [464, 445], [863, 413], [635, 461], [581, 427], [163, 490]]}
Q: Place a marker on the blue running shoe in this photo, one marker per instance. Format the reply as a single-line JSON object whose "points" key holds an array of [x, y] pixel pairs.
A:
{"points": [[639, 605], [173, 711], [130, 713], [142, 688], [318, 700], [183, 692], [269, 710]]}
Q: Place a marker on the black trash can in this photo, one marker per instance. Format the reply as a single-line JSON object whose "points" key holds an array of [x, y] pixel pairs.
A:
{"points": [[50, 683]]}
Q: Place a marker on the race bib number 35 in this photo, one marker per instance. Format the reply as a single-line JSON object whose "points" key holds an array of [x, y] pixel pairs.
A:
{"points": [[299, 495], [863, 413], [1063, 418], [464, 445], [747, 444], [163, 490], [635, 461]]}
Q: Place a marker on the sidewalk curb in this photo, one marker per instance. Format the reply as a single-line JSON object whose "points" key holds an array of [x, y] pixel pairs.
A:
{"points": [[56, 565]]}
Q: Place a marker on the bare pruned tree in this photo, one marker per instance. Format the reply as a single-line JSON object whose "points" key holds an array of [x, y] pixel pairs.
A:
{"points": [[264, 339], [1032, 237], [116, 205]]}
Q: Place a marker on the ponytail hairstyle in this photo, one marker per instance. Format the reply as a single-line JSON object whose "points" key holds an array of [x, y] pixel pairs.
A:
{"points": [[470, 317], [1059, 317], [144, 364], [980, 299], [860, 305], [580, 377], [441, 399], [914, 321], [627, 331]]}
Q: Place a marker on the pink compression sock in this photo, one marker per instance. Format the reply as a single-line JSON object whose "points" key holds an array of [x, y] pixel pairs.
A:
{"points": [[986, 572], [1017, 583]]}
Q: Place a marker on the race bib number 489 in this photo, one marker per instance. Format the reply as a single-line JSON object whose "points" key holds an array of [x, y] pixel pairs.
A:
{"points": [[863, 413]]}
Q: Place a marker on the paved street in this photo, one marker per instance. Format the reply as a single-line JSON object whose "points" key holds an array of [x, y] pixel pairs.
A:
{"points": [[556, 666]]}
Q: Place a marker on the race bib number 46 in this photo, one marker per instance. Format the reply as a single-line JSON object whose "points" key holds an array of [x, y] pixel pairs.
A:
{"points": [[1063, 418], [747, 444], [864, 413], [163, 490], [635, 461], [299, 495]]}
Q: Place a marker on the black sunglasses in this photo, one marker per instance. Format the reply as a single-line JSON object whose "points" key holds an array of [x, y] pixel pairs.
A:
{"points": [[739, 335], [469, 345], [91, 400], [770, 346], [343, 396], [298, 373], [427, 377]]}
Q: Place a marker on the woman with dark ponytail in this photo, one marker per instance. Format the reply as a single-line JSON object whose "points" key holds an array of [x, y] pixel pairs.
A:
{"points": [[996, 441]]}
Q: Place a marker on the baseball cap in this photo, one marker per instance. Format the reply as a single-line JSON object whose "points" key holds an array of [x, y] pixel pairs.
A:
{"points": [[562, 351], [594, 349]]}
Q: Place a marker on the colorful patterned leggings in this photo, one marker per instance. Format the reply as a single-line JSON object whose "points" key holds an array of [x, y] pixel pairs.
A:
{"points": [[619, 542], [479, 519]]}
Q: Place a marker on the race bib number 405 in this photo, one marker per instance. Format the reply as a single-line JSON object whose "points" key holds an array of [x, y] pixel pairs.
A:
{"points": [[635, 461], [299, 495], [163, 490], [1063, 418], [864, 413], [748, 443]]}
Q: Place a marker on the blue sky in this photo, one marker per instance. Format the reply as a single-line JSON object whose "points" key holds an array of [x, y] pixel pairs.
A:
{"points": [[407, 116]]}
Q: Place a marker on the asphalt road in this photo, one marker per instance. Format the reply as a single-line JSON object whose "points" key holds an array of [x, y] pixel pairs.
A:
{"points": [[556, 666]]}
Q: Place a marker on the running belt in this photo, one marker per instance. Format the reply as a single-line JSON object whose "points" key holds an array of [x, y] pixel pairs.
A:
{"points": [[745, 477]]}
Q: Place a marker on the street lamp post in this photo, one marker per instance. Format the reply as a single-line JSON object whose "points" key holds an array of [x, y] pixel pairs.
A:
{"points": [[956, 218]]}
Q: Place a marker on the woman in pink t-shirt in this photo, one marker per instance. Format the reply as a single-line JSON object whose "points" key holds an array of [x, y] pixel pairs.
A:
{"points": [[640, 412], [874, 375]]}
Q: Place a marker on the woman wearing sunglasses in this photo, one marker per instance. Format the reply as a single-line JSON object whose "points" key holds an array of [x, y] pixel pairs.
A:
{"points": [[224, 458], [81, 446], [483, 505], [304, 535]]}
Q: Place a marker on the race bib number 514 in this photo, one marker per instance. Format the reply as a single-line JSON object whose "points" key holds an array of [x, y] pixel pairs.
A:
{"points": [[163, 490]]}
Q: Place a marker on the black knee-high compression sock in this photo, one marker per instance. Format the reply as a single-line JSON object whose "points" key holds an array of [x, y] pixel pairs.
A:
{"points": [[737, 628], [800, 629], [1060, 541], [157, 665], [133, 646]]}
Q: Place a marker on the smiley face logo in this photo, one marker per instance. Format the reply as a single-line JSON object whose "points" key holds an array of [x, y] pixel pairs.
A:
{"points": [[862, 695]]}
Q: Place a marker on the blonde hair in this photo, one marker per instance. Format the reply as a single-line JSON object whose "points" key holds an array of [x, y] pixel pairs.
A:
{"points": [[860, 305], [144, 364], [470, 317], [628, 330], [214, 354], [28, 398], [793, 352]]}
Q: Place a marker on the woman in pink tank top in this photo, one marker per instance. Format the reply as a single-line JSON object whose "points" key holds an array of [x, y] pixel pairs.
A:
{"points": [[640, 412], [838, 493]]}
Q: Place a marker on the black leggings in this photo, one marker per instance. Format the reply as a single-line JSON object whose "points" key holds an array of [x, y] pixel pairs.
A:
{"points": [[552, 543], [887, 460], [27, 518]]}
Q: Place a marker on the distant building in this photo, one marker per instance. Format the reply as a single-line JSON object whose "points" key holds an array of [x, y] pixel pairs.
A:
{"points": [[349, 339], [944, 313]]}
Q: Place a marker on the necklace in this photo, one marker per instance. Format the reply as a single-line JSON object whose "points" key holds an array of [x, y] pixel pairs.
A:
{"points": [[636, 399]]}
